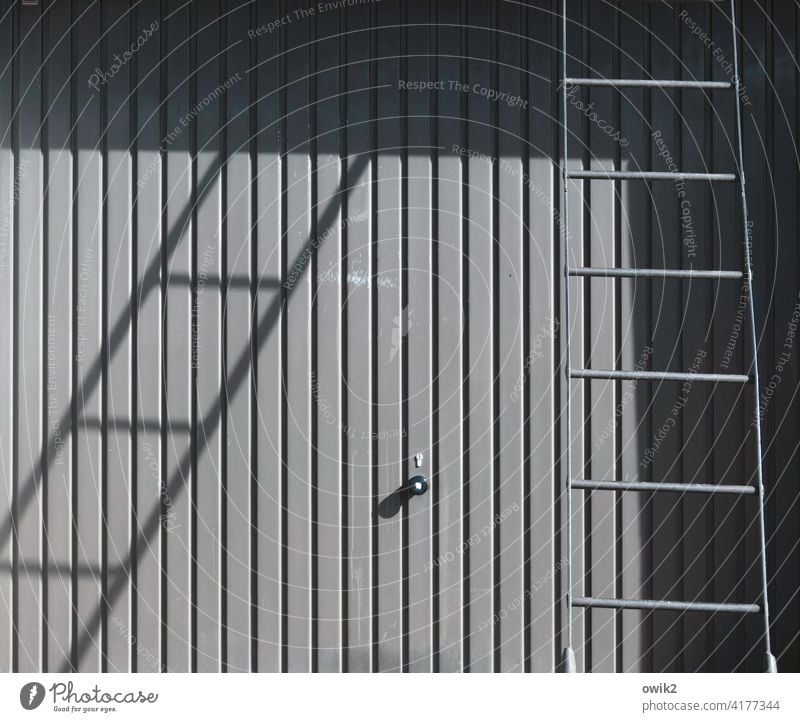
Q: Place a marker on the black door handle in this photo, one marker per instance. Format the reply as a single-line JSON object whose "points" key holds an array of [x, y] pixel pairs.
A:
{"points": [[416, 485]]}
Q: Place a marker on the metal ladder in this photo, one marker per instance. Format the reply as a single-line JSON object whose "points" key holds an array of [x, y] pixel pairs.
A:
{"points": [[574, 374]]}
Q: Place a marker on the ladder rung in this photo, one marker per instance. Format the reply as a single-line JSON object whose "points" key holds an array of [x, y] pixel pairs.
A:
{"points": [[653, 273], [657, 376], [661, 486], [602, 603], [648, 175], [633, 83]]}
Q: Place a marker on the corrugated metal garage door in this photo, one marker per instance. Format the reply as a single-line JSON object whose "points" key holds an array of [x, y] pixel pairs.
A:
{"points": [[340, 271]]}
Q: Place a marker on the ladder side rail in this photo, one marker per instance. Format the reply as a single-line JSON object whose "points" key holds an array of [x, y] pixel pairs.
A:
{"points": [[568, 656], [771, 663]]}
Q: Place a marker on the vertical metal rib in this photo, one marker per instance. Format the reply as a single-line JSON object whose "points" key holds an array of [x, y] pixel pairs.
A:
{"points": [[753, 335]]}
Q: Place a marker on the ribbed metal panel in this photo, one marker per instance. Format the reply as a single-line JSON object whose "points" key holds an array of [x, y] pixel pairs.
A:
{"points": [[246, 276]]}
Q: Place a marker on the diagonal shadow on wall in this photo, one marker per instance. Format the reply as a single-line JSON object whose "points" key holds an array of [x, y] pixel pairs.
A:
{"points": [[236, 375]]}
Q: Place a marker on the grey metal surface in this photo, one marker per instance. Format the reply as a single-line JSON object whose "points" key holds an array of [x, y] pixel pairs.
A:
{"points": [[221, 348]]}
